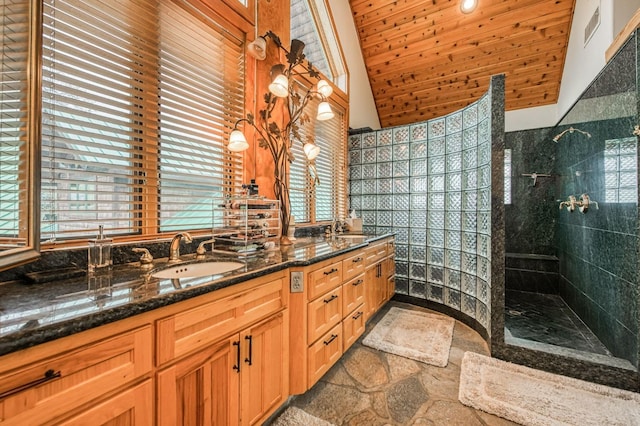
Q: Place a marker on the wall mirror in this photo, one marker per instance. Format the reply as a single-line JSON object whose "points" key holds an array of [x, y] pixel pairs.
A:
{"points": [[19, 131]]}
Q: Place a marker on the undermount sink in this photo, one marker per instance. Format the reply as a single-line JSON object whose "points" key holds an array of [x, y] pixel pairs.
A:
{"points": [[195, 270]]}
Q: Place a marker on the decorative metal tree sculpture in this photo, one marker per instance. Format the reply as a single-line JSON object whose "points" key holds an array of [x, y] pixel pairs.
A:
{"points": [[277, 134]]}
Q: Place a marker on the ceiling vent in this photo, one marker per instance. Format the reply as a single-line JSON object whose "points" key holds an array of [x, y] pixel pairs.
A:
{"points": [[592, 25]]}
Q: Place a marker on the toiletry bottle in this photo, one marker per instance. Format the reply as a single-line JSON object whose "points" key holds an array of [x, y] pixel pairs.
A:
{"points": [[99, 252]]}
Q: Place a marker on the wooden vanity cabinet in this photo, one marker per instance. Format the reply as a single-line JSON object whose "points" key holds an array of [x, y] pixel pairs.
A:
{"points": [[321, 329], [220, 359], [209, 377], [379, 274], [81, 377]]}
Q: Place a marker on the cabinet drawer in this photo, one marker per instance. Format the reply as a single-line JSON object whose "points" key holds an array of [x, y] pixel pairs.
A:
{"points": [[324, 279], [133, 407], [375, 252], [324, 353], [85, 374], [353, 294], [391, 247], [352, 266], [200, 326], [324, 313], [353, 326]]}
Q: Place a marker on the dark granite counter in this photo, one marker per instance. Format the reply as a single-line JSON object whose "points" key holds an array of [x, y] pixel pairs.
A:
{"points": [[31, 314]]}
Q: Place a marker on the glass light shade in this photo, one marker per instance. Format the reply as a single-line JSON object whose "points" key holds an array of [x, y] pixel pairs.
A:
{"points": [[311, 150], [325, 88], [324, 111], [468, 6], [237, 141], [280, 86], [258, 48]]}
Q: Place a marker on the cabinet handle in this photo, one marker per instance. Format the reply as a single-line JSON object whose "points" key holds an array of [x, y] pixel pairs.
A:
{"points": [[356, 316], [332, 298], [333, 337], [357, 283], [357, 259], [330, 271], [248, 359], [48, 375], [237, 366]]}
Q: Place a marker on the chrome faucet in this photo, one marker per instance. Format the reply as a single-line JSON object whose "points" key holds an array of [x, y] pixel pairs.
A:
{"points": [[174, 248]]}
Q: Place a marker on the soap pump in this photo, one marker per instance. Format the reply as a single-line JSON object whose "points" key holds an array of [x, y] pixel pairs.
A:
{"points": [[99, 251]]}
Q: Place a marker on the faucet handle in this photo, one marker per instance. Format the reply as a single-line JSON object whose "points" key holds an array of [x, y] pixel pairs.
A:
{"points": [[146, 258], [201, 250]]}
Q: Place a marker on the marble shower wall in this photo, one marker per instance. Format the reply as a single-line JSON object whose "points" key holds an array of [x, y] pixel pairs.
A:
{"points": [[430, 183], [530, 218], [598, 251]]}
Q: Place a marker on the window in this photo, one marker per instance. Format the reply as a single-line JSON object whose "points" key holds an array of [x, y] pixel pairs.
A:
{"points": [[324, 199], [311, 23], [620, 170], [507, 176], [138, 99], [13, 117]]}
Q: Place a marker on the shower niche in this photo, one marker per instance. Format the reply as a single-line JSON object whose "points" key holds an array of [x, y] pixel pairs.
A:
{"points": [[571, 287]]}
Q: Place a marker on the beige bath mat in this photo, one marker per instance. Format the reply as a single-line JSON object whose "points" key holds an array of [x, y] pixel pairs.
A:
{"points": [[294, 416], [533, 397], [417, 335]]}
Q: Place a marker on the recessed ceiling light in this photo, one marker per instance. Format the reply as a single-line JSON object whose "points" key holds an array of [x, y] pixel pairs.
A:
{"points": [[468, 6]]}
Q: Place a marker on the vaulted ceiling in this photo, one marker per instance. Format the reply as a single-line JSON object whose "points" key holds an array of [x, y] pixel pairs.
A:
{"points": [[425, 58]]}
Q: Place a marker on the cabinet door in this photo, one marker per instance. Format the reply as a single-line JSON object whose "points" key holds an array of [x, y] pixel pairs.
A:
{"points": [[323, 314], [352, 294], [324, 353], [203, 388], [352, 327], [370, 285], [132, 407], [264, 379]]}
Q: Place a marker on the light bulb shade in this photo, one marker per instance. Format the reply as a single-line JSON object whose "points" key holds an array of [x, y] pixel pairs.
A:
{"points": [[311, 150], [279, 82], [324, 111], [258, 48], [325, 88], [237, 141]]}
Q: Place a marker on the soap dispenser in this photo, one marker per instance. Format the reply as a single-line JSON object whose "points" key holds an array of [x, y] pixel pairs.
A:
{"points": [[99, 252]]}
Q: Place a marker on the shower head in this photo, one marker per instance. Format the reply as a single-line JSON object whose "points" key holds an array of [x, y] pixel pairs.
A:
{"points": [[557, 137]]}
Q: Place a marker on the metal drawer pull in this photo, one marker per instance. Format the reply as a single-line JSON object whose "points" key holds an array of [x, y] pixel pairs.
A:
{"points": [[333, 297], [333, 337], [48, 375], [357, 259], [248, 360], [356, 316], [357, 283], [237, 366], [331, 271]]}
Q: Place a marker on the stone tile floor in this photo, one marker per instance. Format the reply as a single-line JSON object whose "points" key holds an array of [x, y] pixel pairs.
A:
{"points": [[374, 388], [546, 318]]}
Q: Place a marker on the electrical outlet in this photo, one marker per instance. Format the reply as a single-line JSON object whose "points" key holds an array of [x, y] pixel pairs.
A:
{"points": [[297, 282]]}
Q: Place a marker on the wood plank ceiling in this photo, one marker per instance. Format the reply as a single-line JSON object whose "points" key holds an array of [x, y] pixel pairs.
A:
{"points": [[425, 58]]}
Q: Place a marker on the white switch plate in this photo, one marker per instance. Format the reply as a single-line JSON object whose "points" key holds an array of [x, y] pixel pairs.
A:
{"points": [[297, 282]]}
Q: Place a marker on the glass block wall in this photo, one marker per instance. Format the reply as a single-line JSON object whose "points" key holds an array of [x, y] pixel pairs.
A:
{"points": [[430, 183]]}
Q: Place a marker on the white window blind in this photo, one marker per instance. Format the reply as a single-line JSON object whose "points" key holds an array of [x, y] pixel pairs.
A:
{"points": [[13, 115], [327, 200], [138, 96], [331, 193]]}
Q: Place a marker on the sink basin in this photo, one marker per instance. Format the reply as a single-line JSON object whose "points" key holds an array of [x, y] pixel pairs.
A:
{"points": [[351, 236], [194, 270]]}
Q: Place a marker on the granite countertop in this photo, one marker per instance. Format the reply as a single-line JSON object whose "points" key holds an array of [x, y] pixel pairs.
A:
{"points": [[31, 314]]}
